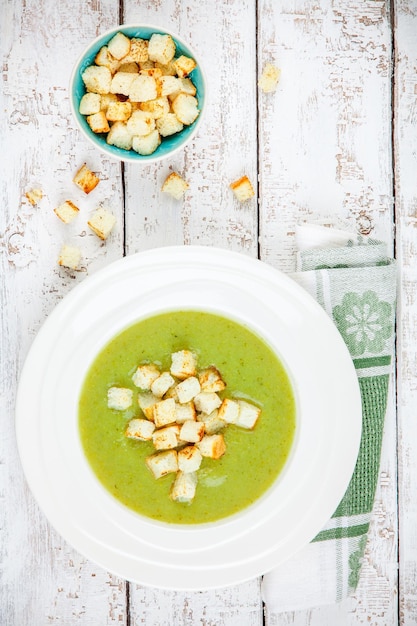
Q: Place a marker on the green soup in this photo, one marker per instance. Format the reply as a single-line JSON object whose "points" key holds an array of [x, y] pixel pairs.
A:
{"points": [[253, 458]]}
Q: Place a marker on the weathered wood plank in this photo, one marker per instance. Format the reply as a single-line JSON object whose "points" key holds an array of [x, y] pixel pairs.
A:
{"points": [[223, 34], [405, 142], [43, 580], [325, 149]]}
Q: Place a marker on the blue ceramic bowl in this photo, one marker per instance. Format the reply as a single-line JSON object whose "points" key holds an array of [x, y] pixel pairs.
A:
{"points": [[169, 145]]}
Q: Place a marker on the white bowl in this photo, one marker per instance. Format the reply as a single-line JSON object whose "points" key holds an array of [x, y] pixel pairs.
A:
{"points": [[239, 547]]}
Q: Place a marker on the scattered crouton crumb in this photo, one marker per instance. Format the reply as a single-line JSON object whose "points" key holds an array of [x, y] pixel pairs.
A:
{"points": [[66, 211], [175, 186], [34, 196], [269, 78], [85, 179], [69, 257], [242, 189], [102, 222]]}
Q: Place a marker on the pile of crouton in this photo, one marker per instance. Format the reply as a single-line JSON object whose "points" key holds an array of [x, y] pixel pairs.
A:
{"points": [[183, 416], [138, 92]]}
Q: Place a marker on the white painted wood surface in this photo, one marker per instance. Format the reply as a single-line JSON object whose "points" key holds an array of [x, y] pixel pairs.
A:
{"points": [[323, 148]]}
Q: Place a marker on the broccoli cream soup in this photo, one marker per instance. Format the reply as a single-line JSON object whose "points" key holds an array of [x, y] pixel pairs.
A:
{"points": [[249, 451]]}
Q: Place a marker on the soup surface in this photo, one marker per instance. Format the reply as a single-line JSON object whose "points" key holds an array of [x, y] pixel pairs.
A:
{"points": [[253, 458]]}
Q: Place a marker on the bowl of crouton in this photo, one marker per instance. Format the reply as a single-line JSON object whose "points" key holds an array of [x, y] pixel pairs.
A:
{"points": [[137, 93]]}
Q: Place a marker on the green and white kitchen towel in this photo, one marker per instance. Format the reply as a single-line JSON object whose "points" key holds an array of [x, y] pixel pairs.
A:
{"points": [[355, 281]]}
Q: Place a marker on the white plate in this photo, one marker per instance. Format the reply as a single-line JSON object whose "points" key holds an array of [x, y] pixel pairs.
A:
{"points": [[237, 548]]}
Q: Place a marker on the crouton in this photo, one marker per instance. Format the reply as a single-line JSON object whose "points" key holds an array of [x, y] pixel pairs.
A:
{"points": [[90, 103], [102, 222], [185, 108], [146, 402], [119, 46], [147, 144], [69, 257], [248, 414], [164, 412], [140, 123], [145, 375], [106, 99], [142, 88], [169, 124], [269, 78], [212, 446], [175, 186], [161, 48], [138, 51], [242, 189], [118, 111], [189, 459], [211, 380], [187, 389], [66, 211], [185, 412], [140, 429], [85, 179], [119, 136], [34, 196], [184, 65], [97, 79], [104, 58], [146, 65], [119, 398], [157, 108], [129, 68], [155, 72], [166, 438], [161, 385], [184, 487], [207, 402], [171, 393], [184, 364], [192, 431], [168, 69], [168, 85], [212, 422], [98, 122], [121, 82], [229, 411], [185, 86], [162, 463]]}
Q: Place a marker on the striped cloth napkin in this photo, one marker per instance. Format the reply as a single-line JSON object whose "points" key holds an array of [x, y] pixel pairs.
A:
{"points": [[355, 281]]}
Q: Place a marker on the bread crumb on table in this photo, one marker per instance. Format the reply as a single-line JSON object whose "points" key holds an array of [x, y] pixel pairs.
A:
{"points": [[66, 211], [85, 179], [269, 78], [69, 257], [242, 189], [102, 222], [34, 196], [175, 186]]}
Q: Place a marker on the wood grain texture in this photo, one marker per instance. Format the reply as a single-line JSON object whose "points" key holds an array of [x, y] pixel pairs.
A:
{"points": [[325, 149], [225, 147], [43, 581], [405, 137], [223, 150], [323, 146]]}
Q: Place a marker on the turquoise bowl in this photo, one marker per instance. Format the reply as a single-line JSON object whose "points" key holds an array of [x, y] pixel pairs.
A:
{"points": [[169, 145]]}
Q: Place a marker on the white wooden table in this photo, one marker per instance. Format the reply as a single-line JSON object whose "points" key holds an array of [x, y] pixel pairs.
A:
{"points": [[336, 144]]}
